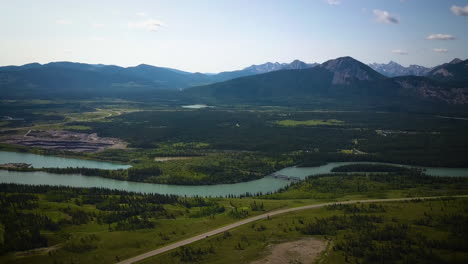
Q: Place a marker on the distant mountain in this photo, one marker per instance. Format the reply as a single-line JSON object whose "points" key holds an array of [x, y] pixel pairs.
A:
{"points": [[347, 70], [393, 69], [299, 65], [262, 68], [454, 71], [69, 79], [23, 67], [81, 78], [324, 79], [276, 66], [455, 61], [423, 88], [52, 81], [339, 81], [168, 78]]}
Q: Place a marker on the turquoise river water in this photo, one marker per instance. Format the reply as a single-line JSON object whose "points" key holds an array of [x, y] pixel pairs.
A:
{"points": [[264, 185]]}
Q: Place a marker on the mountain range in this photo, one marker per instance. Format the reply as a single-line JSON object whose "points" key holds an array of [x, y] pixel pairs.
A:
{"points": [[339, 80], [269, 67], [343, 80], [393, 69], [109, 77]]}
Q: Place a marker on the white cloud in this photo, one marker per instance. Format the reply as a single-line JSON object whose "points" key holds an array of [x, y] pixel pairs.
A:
{"points": [[385, 17], [333, 2], [440, 50], [142, 14], [460, 10], [97, 25], [400, 52], [63, 22], [440, 37], [149, 24], [67, 51]]}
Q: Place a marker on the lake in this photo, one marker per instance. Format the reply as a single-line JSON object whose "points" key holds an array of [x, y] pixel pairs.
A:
{"points": [[264, 185]]}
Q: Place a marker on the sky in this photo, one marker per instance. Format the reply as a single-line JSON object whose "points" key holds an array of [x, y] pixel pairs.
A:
{"points": [[221, 35]]}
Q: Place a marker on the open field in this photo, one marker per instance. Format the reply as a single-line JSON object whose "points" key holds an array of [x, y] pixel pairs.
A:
{"points": [[223, 230], [23, 115], [252, 242], [163, 159], [293, 123]]}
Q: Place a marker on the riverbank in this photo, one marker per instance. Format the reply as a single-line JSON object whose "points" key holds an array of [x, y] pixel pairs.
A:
{"points": [[264, 185], [14, 166]]}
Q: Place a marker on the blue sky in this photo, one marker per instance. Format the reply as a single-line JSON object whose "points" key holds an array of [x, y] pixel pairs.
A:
{"points": [[214, 36]]}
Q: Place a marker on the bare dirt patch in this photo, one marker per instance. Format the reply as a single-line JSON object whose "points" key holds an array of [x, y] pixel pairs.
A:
{"points": [[64, 140], [38, 251], [162, 159], [304, 251]]}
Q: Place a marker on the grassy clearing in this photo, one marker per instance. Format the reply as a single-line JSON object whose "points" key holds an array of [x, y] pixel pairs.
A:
{"points": [[61, 127], [115, 244], [293, 123], [250, 242], [338, 187], [347, 151]]}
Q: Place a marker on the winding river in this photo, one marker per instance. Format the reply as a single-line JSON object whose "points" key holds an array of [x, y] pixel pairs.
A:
{"points": [[42, 161], [264, 185]]}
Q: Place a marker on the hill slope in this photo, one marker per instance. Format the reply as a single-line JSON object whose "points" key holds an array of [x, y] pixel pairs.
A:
{"points": [[67, 82], [340, 81], [455, 71], [81, 79], [81, 75]]}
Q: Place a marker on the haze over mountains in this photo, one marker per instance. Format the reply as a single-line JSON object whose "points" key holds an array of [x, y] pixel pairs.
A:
{"points": [[269, 66], [142, 76], [393, 69], [342, 78]]}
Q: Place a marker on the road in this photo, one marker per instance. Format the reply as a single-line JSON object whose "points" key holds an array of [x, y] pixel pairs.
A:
{"points": [[252, 219]]}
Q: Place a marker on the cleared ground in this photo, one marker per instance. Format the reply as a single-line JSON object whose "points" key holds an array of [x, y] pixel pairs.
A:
{"points": [[64, 140], [301, 251]]}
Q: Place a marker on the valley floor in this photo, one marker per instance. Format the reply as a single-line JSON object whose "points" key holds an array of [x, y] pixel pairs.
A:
{"points": [[225, 144], [169, 144]]}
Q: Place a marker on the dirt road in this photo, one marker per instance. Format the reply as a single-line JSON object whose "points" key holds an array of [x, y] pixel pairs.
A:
{"points": [[252, 219]]}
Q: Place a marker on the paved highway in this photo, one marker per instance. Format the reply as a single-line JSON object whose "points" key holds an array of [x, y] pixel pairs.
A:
{"points": [[252, 219]]}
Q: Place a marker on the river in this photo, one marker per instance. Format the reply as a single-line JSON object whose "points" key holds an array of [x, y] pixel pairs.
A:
{"points": [[264, 185], [42, 161]]}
